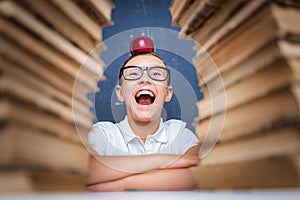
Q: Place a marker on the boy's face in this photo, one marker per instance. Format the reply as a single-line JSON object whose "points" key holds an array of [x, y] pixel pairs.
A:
{"points": [[144, 98]]}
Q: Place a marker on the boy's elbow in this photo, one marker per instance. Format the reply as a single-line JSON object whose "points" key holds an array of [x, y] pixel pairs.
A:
{"points": [[92, 171]]}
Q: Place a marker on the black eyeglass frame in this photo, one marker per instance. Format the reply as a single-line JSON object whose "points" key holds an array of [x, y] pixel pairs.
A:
{"points": [[143, 68]]}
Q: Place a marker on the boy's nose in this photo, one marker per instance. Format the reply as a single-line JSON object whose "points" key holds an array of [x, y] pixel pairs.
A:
{"points": [[145, 77]]}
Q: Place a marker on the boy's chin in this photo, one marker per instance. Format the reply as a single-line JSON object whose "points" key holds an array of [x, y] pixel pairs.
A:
{"points": [[146, 116], [148, 113]]}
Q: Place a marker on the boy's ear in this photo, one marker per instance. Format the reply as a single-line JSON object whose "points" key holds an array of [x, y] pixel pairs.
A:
{"points": [[169, 94], [119, 93]]}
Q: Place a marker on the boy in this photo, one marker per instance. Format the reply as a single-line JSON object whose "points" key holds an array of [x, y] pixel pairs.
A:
{"points": [[168, 148]]}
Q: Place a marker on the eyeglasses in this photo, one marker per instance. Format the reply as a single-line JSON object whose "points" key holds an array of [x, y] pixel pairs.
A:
{"points": [[156, 73]]}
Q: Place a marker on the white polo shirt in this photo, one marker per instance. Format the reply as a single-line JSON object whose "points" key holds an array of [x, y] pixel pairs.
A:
{"points": [[171, 137]]}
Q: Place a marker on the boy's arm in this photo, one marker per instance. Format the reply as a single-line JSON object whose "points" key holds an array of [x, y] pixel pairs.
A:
{"points": [[164, 179], [175, 176], [109, 168], [99, 172]]}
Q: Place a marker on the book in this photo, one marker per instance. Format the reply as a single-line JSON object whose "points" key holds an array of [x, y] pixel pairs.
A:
{"points": [[196, 13], [13, 110], [13, 71], [247, 63], [281, 106], [276, 172], [227, 10], [100, 11], [32, 180], [177, 8], [49, 63], [74, 12], [62, 24], [40, 68], [12, 10], [262, 58], [45, 52], [266, 75], [16, 88], [280, 141], [26, 146], [268, 23]]}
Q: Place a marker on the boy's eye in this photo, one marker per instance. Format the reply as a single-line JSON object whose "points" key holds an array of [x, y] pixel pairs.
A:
{"points": [[155, 74], [133, 74]]}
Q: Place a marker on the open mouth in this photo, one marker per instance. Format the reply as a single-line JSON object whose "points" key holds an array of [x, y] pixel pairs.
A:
{"points": [[144, 97]]}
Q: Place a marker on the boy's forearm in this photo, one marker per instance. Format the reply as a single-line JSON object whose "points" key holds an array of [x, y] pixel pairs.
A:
{"points": [[99, 172], [143, 163], [113, 168], [164, 179]]}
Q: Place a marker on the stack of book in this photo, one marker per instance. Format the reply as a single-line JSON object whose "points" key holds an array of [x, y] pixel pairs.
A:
{"points": [[248, 64], [49, 62]]}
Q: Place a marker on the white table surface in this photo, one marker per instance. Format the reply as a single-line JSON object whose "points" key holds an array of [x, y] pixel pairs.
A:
{"points": [[144, 195]]}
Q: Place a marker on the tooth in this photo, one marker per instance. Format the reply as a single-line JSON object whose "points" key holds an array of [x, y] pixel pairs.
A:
{"points": [[145, 92]]}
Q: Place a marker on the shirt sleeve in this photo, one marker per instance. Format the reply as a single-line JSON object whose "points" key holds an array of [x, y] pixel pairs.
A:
{"points": [[98, 139], [187, 140]]}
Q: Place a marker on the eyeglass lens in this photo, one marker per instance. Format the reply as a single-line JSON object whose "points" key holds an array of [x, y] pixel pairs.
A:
{"points": [[155, 73]]}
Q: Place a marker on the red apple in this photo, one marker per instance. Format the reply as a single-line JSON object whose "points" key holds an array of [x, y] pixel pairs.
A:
{"points": [[141, 44]]}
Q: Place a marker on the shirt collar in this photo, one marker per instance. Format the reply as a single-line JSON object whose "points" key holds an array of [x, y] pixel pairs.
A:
{"points": [[160, 135]]}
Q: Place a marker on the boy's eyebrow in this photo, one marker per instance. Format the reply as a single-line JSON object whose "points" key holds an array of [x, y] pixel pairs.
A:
{"points": [[144, 66]]}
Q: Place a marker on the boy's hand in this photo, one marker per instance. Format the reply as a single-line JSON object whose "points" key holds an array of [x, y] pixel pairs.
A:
{"points": [[183, 161], [111, 186]]}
